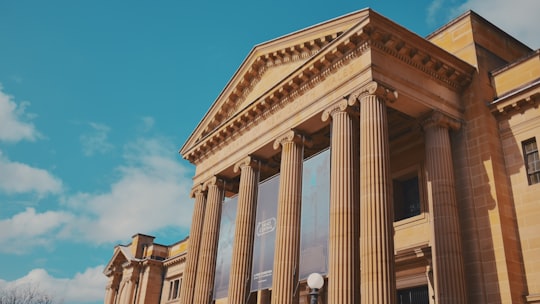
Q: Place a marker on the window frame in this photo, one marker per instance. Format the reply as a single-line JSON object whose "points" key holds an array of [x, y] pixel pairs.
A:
{"points": [[406, 173], [532, 177], [175, 286]]}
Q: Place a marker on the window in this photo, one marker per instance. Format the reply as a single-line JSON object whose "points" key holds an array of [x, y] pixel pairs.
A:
{"points": [[174, 289], [406, 198], [532, 160], [415, 295]]}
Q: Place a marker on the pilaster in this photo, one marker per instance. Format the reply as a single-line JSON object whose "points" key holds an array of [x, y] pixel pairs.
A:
{"points": [[206, 266], [377, 262], [446, 237], [192, 259], [344, 255], [242, 255], [287, 250]]}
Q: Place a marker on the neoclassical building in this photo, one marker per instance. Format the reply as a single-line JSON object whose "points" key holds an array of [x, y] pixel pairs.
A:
{"points": [[403, 169]]}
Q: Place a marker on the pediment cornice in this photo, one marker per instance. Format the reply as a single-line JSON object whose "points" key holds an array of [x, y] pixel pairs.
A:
{"points": [[118, 259], [326, 57]]}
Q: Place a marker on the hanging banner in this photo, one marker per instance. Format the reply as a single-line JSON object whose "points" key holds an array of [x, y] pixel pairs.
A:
{"points": [[265, 234], [315, 215], [225, 247]]}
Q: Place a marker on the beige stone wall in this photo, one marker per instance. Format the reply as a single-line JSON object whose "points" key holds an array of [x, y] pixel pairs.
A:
{"points": [[514, 130], [172, 272]]}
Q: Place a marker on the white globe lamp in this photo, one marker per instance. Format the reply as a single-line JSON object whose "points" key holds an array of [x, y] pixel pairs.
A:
{"points": [[315, 281]]}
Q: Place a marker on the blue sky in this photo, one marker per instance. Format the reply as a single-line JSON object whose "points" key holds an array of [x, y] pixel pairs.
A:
{"points": [[97, 97]]}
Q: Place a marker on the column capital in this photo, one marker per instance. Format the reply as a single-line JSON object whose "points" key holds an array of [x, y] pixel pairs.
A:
{"points": [[439, 119], [213, 181], [373, 88], [340, 106], [196, 190], [247, 161], [291, 136]]}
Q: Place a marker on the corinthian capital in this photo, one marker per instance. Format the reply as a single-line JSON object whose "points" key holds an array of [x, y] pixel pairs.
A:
{"points": [[373, 88]]}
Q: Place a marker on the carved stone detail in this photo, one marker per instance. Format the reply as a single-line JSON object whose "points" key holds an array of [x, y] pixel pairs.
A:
{"points": [[289, 136], [195, 190], [213, 181], [247, 161], [437, 118], [373, 88], [340, 106]]}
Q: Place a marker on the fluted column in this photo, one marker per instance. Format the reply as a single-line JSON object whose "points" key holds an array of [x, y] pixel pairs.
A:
{"points": [[112, 287], [208, 250], [344, 226], [287, 251], [446, 238], [242, 255], [378, 282], [192, 259]]}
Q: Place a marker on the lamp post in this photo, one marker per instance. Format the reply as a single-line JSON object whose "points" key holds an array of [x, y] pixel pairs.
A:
{"points": [[315, 281]]}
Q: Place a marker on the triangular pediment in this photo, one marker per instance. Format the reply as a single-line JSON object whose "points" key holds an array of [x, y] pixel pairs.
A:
{"points": [[279, 71], [265, 66], [120, 256]]}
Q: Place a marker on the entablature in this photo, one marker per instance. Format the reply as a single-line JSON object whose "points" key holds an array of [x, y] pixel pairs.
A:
{"points": [[373, 31]]}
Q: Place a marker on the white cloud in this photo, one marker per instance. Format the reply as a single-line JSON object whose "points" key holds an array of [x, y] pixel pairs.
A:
{"points": [[29, 229], [97, 140], [20, 178], [15, 124], [150, 194], [85, 287]]}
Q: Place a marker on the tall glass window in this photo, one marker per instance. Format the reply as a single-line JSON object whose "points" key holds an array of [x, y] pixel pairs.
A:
{"points": [[315, 215]]}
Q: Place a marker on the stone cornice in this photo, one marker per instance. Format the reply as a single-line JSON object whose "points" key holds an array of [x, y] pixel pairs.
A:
{"points": [[442, 68], [335, 52], [179, 259], [517, 102]]}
